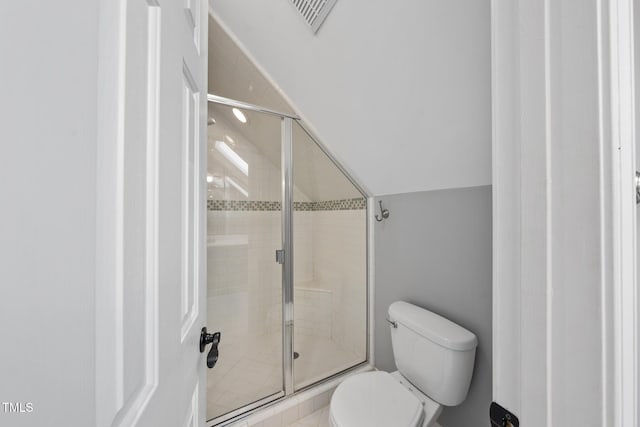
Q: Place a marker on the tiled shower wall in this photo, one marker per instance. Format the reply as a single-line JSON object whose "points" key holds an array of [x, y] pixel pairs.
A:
{"points": [[244, 281], [339, 265]]}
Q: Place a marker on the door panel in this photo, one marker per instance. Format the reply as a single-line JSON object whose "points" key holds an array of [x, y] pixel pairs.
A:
{"points": [[151, 270], [189, 202], [244, 289]]}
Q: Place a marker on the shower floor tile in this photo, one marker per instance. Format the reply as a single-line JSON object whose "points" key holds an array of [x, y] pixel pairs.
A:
{"points": [[320, 358], [250, 369]]}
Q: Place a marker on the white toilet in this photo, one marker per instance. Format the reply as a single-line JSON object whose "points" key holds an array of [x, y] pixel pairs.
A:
{"points": [[435, 360]]}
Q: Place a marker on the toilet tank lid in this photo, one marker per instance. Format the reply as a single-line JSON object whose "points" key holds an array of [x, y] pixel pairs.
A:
{"points": [[432, 326]]}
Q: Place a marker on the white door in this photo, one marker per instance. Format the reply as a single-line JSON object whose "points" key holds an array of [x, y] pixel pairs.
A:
{"points": [[564, 312], [151, 271]]}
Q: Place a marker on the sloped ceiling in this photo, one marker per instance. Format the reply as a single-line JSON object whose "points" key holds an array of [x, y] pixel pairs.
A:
{"points": [[232, 75], [398, 91]]}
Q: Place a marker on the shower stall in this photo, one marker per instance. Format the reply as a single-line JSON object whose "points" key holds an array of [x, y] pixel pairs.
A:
{"points": [[286, 260]]}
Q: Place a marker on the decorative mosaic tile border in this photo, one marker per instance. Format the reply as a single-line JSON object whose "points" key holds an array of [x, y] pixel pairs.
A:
{"points": [[303, 206], [242, 205], [340, 205], [260, 205]]}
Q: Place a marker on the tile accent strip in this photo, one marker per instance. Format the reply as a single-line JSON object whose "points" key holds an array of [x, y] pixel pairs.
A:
{"points": [[260, 205], [242, 205], [340, 205]]}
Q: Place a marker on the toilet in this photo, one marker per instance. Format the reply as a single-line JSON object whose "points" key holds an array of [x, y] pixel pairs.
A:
{"points": [[434, 357]]}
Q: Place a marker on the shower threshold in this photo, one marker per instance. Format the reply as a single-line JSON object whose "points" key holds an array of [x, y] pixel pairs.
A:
{"points": [[272, 406]]}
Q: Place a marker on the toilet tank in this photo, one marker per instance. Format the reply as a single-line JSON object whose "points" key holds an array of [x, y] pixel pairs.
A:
{"points": [[433, 353]]}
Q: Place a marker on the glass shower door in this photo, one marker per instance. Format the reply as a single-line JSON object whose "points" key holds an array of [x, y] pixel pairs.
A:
{"points": [[244, 219], [330, 265], [286, 260]]}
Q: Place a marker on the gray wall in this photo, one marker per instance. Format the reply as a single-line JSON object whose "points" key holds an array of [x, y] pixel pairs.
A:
{"points": [[435, 251], [48, 82]]}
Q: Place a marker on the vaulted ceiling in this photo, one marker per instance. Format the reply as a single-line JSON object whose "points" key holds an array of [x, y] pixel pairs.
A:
{"points": [[258, 142], [398, 91]]}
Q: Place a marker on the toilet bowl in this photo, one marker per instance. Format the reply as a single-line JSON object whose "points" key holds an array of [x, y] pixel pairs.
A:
{"points": [[435, 360]]}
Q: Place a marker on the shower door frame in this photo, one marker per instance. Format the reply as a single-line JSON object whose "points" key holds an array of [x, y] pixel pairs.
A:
{"points": [[286, 147]]}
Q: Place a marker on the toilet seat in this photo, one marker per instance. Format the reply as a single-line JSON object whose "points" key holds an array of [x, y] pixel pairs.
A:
{"points": [[374, 399]]}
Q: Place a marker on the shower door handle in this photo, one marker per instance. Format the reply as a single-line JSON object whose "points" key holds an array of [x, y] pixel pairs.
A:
{"points": [[214, 340], [280, 256]]}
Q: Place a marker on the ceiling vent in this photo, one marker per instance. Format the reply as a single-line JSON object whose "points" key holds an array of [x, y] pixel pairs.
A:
{"points": [[314, 12]]}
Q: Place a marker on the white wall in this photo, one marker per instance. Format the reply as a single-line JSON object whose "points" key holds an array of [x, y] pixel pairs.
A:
{"points": [[48, 82], [398, 91]]}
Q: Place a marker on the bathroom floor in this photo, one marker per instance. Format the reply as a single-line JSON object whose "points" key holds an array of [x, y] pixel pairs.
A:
{"points": [[251, 369], [318, 418]]}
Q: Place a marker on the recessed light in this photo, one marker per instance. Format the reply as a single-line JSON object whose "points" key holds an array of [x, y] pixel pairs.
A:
{"points": [[209, 179], [239, 115]]}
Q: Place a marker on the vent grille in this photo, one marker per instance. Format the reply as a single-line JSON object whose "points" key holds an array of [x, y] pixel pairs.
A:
{"points": [[314, 12]]}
